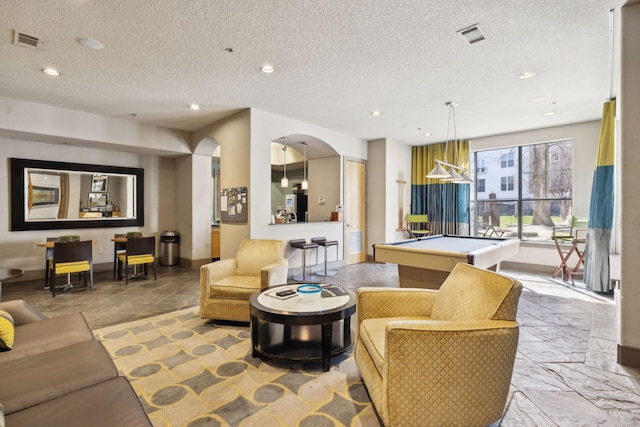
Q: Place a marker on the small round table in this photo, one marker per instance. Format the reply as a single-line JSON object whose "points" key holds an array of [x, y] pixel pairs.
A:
{"points": [[8, 273], [299, 329]]}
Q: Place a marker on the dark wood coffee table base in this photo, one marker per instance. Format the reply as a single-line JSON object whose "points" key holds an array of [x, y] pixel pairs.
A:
{"points": [[301, 336]]}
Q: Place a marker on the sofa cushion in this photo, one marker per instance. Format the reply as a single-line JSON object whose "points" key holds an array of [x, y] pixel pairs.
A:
{"points": [[21, 311], [235, 287], [45, 376], [470, 293], [7, 331], [109, 403], [373, 335], [48, 334]]}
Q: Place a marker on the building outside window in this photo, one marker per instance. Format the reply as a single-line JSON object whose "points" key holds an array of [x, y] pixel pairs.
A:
{"points": [[507, 160], [529, 203], [506, 183], [480, 186]]}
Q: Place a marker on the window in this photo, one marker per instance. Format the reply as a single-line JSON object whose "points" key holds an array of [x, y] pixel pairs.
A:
{"points": [[481, 186], [528, 203], [507, 160], [481, 168], [506, 183]]}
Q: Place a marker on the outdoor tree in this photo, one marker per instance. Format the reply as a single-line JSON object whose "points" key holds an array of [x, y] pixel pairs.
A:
{"points": [[547, 175]]}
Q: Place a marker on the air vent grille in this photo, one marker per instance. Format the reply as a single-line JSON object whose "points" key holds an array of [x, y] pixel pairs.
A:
{"points": [[25, 40], [472, 34]]}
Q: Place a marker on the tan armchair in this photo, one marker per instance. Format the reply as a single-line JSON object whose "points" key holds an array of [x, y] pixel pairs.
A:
{"points": [[439, 358], [226, 285]]}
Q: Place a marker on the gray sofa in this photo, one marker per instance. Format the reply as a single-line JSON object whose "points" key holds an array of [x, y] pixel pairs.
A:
{"points": [[58, 374]]}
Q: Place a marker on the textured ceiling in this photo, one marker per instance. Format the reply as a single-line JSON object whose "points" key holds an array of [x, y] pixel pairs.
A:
{"points": [[335, 60]]}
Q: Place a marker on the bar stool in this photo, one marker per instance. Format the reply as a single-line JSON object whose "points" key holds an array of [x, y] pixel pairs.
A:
{"points": [[322, 241], [302, 244]]}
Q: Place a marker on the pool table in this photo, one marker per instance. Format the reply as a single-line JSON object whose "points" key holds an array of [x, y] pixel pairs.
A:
{"points": [[426, 262]]}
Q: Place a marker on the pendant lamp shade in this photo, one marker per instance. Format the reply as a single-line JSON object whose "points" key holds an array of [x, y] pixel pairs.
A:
{"points": [[465, 179], [453, 176], [305, 184], [284, 182], [438, 172]]}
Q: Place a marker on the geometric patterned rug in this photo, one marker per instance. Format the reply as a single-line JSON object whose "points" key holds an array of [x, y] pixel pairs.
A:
{"points": [[190, 372]]}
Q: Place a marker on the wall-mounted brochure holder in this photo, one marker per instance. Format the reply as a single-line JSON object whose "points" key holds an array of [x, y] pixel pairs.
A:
{"points": [[233, 204]]}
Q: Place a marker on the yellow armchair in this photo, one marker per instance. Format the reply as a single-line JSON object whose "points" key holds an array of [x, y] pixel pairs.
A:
{"points": [[439, 357], [226, 285]]}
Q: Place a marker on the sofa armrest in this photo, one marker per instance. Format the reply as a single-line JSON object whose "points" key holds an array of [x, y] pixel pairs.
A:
{"points": [[274, 273], [22, 312], [212, 272], [478, 356], [393, 302], [218, 270]]}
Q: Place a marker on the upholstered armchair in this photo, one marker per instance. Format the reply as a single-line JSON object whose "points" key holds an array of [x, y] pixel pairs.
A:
{"points": [[439, 357], [226, 285]]}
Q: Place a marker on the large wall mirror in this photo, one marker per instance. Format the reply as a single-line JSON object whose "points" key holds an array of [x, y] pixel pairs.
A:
{"points": [[303, 158], [56, 195]]}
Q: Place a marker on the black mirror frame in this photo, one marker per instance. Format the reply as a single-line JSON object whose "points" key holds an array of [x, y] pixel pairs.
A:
{"points": [[17, 204]]}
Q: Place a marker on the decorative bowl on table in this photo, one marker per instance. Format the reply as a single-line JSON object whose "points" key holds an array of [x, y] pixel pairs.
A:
{"points": [[309, 291]]}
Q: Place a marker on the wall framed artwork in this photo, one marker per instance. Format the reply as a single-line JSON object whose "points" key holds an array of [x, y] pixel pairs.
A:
{"points": [[98, 200], [99, 183]]}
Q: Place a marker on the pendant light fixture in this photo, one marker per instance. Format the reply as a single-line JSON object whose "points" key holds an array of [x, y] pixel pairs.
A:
{"points": [[284, 182], [305, 183], [439, 171]]}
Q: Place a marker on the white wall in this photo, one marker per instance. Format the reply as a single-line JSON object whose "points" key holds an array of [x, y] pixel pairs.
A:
{"points": [[193, 207], [324, 182], [398, 167], [389, 162], [377, 227], [18, 248], [233, 135], [585, 146], [266, 127], [629, 295], [45, 123]]}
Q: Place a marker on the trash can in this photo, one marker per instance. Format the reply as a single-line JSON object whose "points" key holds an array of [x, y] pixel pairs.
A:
{"points": [[169, 248]]}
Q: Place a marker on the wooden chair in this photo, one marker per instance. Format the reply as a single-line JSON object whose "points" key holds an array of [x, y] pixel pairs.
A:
{"points": [[48, 260], [118, 248], [140, 251], [417, 226], [71, 257], [568, 240]]}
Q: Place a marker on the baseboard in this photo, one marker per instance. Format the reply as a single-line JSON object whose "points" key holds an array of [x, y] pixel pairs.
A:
{"points": [[629, 356], [527, 268]]}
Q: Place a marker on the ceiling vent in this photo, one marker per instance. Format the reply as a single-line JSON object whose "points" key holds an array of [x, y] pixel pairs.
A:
{"points": [[25, 40], [472, 34]]}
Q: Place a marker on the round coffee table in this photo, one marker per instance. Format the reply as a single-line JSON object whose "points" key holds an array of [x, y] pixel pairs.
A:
{"points": [[299, 329]]}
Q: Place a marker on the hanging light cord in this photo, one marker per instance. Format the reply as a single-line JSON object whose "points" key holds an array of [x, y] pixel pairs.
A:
{"points": [[284, 159]]}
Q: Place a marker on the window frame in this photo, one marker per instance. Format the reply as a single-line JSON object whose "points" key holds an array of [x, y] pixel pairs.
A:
{"points": [[517, 183]]}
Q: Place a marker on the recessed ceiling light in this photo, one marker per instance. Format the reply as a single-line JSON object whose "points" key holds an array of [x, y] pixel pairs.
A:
{"points": [[51, 71], [267, 69], [526, 75], [90, 43], [426, 134], [375, 113], [550, 113], [194, 106]]}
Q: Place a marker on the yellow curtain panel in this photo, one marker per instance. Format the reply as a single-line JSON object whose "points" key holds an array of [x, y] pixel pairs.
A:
{"points": [[423, 159]]}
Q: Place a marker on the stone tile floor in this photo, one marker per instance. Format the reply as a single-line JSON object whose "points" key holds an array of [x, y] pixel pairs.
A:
{"points": [[565, 372]]}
